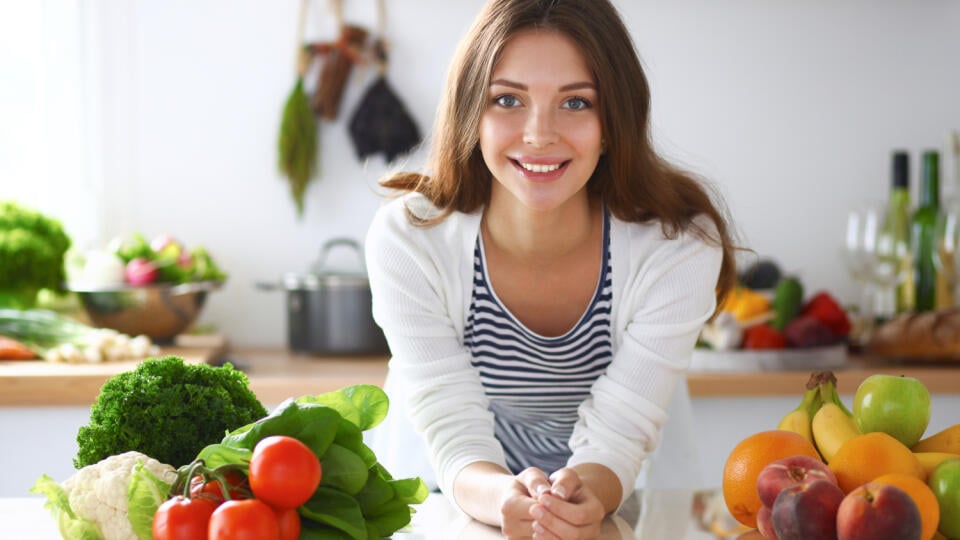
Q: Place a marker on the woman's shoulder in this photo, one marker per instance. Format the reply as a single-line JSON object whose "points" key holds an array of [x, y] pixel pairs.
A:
{"points": [[644, 239], [405, 216]]}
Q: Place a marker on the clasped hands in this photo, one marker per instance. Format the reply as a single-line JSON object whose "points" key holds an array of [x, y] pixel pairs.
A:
{"points": [[558, 507]]}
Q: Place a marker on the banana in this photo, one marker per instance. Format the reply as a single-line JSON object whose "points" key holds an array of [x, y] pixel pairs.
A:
{"points": [[947, 440], [799, 419], [832, 427], [930, 460]]}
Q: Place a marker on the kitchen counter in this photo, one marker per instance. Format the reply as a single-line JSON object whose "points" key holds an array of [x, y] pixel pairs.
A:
{"points": [[276, 374], [674, 514]]}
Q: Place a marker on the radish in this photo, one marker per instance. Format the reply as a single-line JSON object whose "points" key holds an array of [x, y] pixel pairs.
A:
{"points": [[140, 271]]}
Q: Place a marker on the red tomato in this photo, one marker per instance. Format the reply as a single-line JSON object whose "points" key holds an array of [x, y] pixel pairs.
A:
{"points": [[180, 518], [289, 521], [248, 519], [284, 472], [763, 336], [212, 490]]}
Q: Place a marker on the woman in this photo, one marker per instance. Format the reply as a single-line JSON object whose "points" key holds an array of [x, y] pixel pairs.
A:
{"points": [[542, 288]]}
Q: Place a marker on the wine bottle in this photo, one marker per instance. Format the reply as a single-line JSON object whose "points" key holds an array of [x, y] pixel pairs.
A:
{"points": [[893, 244], [931, 276]]}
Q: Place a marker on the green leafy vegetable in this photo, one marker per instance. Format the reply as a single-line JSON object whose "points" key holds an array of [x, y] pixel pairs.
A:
{"points": [[71, 526], [357, 498], [298, 143], [32, 249], [167, 409], [145, 494]]}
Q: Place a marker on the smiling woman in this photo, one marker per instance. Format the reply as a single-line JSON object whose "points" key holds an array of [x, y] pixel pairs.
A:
{"points": [[542, 288]]}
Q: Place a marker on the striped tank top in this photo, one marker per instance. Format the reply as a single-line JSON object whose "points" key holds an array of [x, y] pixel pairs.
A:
{"points": [[534, 383]]}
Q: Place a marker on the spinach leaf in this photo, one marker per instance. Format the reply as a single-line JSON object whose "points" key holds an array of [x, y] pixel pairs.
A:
{"points": [[343, 469], [337, 509], [365, 405], [314, 425]]}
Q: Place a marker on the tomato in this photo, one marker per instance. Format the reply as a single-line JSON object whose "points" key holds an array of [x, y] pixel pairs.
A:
{"points": [[289, 521], [180, 518], [763, 336], [284, 472], [249, 519], [212, 490]]}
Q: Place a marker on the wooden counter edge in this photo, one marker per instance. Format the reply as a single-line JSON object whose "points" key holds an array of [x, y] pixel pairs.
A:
{"points": [[276, 375]]}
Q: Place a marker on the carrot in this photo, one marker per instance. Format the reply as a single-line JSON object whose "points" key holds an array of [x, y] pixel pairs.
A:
{"points": [[11, 349]]}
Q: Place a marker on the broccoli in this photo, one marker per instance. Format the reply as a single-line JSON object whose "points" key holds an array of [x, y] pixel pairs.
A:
{"points": [[32, 249], [168, 410]]}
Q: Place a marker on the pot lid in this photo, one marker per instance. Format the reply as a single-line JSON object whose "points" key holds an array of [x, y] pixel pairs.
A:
{"points": [[323, 274]]}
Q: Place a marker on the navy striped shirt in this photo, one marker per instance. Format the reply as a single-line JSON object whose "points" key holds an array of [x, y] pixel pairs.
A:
{"points": [[534, 383]]}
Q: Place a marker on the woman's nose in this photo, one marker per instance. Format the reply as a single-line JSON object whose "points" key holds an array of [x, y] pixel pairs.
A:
{"points": [[540, 129]]}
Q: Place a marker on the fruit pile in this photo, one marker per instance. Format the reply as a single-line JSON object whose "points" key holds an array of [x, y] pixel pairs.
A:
{"points": [[753, 320], [829, 473]]}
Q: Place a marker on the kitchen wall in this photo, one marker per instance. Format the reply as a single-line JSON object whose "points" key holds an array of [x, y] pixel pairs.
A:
{"points": [[790, 108]]}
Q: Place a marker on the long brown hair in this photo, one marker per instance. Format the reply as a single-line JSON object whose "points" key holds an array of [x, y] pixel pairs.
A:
{"points": [[631, 179]]}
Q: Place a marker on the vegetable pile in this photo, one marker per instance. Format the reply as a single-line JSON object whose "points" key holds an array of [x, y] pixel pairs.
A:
{"points": [[751, 320], [32, 249], [301, 472], [135, 261], [348, 496], [167, 409], [58, 338]]}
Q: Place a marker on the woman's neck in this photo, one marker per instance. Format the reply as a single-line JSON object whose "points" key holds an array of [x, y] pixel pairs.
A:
{"points": [[533, 236]]}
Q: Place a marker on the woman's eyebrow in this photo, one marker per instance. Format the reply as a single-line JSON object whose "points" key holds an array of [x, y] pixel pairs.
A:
{"points": [[565, 88]]}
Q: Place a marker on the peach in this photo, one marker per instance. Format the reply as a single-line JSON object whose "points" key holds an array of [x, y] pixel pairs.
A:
{"points": [[807, 510], [765, 523], [787, 472], [876, 511]]}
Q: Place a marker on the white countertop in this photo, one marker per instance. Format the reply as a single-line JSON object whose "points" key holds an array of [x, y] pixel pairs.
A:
{"points": [[667, 514]]}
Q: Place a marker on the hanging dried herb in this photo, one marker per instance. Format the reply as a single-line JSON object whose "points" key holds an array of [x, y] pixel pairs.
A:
{"points": [[298, 146]]}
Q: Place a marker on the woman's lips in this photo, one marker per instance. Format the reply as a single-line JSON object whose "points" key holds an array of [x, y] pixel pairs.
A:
{"points": [[540, 170]]}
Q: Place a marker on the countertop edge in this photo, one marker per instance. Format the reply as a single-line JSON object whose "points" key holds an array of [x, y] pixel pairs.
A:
{"points": [[276, 374]]}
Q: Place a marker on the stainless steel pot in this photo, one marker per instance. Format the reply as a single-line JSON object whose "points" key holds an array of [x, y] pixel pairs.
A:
{"points": [[328, 311]]}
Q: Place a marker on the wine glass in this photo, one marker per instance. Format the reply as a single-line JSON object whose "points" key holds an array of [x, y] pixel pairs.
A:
{"points": [[863, 248]]}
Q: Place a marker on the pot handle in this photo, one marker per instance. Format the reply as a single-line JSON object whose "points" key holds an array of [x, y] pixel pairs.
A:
{"points": [[334, 242]]}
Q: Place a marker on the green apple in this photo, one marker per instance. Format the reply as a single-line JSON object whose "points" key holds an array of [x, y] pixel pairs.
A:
{"points": [[945, 483], [896, 405]]}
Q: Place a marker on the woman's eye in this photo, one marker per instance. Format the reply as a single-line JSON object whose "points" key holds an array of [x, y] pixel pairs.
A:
{"points": [[576, 104], [507, 101]]}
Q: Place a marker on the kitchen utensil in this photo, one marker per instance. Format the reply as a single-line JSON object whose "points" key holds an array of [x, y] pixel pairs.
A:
{"points": [[328, 310], [159, 311]]}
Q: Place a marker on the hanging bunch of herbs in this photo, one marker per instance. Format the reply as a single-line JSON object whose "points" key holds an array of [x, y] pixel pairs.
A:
{"points": [[298, 146]]}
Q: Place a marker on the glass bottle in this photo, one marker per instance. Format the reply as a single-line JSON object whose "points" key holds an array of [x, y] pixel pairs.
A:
{"points": [[932, 272], [893, 244]]}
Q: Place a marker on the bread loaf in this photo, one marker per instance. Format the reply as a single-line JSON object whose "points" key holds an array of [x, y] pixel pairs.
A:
{"points": [[928, 335]]}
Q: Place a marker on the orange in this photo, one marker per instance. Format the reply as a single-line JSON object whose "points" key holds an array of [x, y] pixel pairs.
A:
{"points": [[865, 457], [922, 496], [745, 462]]}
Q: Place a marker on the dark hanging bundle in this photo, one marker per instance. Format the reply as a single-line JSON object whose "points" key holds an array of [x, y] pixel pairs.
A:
{"points": [[381, 122]]}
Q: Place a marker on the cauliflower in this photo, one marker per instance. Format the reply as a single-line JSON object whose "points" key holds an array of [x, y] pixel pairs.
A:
{"points": [[100, 495]]}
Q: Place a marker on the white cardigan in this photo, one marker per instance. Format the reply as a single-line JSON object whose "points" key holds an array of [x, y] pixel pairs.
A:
{"points": [[422, 278]]}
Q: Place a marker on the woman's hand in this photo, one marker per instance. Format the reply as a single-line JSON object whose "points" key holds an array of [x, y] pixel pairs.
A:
{"points": [[569, 510], [518, 502]]}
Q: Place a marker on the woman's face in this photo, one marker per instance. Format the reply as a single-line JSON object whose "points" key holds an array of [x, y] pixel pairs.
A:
{"points": [[540, 134]]}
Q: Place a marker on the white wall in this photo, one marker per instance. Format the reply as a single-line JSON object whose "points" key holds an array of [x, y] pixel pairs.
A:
{"points": [[791, 107]]}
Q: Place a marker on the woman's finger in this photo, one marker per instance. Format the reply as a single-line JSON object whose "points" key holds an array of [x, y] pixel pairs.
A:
{"points": [[535, 480], [565, 483]]}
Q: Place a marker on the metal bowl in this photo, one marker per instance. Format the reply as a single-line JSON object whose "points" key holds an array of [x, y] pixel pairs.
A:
{"points": [[160, 311]]}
